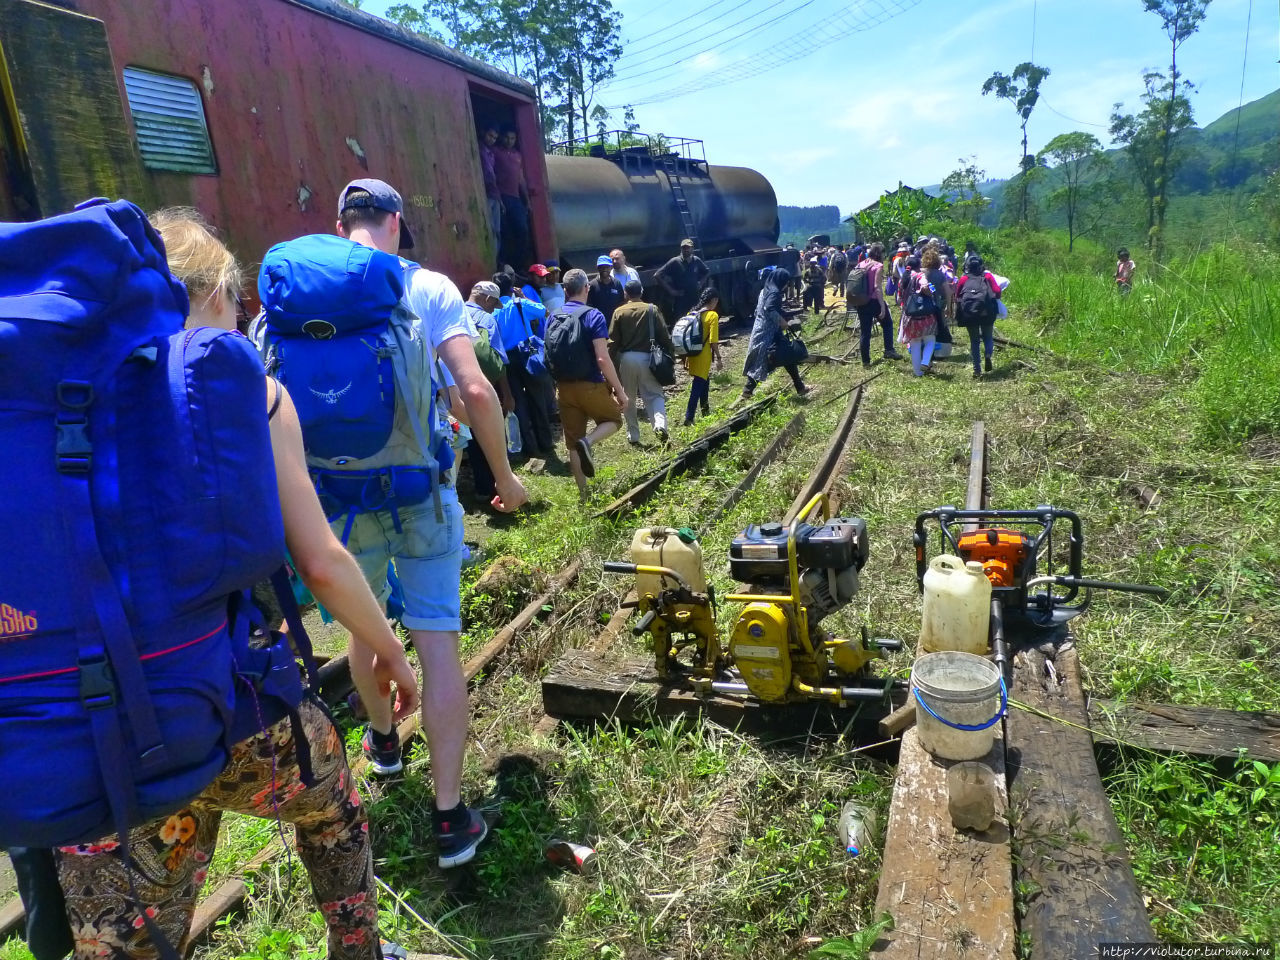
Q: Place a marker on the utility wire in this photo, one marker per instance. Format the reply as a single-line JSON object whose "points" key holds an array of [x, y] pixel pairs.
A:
{"points": [[717, 45], [1235, 143], [1100, 126], [860, 16], [636, 46], [1035, 8], [628, 69]]}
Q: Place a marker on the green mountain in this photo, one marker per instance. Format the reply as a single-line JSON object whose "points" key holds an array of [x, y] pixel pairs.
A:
{"points": [[1222, 172]]}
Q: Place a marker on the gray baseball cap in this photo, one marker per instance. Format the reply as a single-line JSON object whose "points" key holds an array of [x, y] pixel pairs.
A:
{"points": [[379, 195]]}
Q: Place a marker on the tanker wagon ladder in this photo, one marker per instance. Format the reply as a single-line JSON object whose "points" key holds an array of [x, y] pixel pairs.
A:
{"points": [[671, 164]]}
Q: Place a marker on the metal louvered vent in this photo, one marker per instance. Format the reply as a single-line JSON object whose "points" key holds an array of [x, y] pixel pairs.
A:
{"points": [[168, 117]]}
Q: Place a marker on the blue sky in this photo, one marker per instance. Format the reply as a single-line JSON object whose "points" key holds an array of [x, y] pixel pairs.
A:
{"points": [[806, 126]]}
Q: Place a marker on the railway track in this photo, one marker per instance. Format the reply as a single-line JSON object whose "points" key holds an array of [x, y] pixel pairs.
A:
{"points": [[334, 676], [1071, 895]]}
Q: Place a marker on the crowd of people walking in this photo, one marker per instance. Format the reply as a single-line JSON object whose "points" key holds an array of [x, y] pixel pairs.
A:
{"points": [[380, 380]]}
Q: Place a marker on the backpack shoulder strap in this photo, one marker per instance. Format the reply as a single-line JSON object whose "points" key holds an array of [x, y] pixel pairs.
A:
{"points": [[402, 330]]}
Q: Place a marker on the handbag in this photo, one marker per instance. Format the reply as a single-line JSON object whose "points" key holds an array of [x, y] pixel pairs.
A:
{"points": [[661, 362], [787, 350]]}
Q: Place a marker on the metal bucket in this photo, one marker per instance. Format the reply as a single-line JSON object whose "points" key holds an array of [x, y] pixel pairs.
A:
{"points": [[960, 697]]}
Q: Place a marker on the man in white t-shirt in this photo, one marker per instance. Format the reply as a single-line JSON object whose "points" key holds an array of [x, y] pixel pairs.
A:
{"points": [[427, 547], [621, 269]]}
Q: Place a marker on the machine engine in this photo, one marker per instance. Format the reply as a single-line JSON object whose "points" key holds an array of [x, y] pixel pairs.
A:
{"points": [[828, 560], [798, 574]]}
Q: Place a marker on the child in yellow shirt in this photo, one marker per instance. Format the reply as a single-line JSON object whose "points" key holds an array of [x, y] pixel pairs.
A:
{"points": [[699, 365]]}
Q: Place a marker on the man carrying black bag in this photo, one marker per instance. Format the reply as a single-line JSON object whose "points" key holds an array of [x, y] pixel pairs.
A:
{"points": [[638, 337]]}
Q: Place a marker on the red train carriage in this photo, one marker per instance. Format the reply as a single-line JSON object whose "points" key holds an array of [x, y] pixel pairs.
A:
{"points": [[256, 112]]}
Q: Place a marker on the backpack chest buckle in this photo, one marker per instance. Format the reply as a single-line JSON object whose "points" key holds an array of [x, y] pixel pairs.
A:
{"points": [[97, 682], [74, 452]]}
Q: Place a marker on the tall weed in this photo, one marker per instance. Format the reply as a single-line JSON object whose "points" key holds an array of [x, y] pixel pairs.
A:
{"points": [[1213, 318]]}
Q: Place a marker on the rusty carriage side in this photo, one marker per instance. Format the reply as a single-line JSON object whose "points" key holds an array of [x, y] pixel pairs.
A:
{"points": [[256, 112]]}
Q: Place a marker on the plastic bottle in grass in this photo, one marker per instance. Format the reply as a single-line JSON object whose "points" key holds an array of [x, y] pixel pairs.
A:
{"points": [[515, 444], [857, 827]]}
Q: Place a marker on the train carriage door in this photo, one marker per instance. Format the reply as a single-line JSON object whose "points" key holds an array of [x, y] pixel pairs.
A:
{"points": [[63, 133], [493, 118]]}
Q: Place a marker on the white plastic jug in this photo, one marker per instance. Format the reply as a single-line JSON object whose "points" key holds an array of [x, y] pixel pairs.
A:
{"points": [[957, 606], [662, 547]]}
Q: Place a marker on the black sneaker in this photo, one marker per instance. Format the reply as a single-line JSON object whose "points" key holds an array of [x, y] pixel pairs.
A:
{"points": [[987, 365], [893, 355], [458, 833], [383, 760], [584, 458], [661, 434]]}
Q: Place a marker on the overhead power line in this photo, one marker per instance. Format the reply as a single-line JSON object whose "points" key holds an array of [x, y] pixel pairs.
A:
{"points": [[1235, 140], [831, 27], [629, 70], [1086, 123], [636, 46]]}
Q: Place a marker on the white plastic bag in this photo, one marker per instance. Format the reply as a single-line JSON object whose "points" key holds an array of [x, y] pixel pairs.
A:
{"points": [[1001, 309]]}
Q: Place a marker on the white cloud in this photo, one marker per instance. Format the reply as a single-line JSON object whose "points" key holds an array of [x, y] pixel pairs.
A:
{"points": [[792, 162], [705, 61]]}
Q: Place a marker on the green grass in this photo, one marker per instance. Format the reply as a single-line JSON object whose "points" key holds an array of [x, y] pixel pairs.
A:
{"points": [[717, 845]]}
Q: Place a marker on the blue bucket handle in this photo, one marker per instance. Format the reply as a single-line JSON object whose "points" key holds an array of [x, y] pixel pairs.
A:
{"points": [[1004, 705]]}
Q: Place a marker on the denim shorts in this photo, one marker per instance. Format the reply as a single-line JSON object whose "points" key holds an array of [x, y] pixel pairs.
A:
{"points": [[427, 554]]}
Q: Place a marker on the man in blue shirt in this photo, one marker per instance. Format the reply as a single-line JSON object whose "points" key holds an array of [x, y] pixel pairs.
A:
{"points": [[605, 293], [537, 278], [521, 323], [600, 397]]}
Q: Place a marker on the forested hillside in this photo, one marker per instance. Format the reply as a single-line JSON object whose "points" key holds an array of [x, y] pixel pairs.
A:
{"points": [[808, 220], [1225, 166]]}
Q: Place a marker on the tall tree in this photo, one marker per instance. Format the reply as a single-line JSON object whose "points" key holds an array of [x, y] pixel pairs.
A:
{"points": [[448, 21], [564, 48], [586, 59], [1140, 135], [1180, 19], [960, 186], [1080, 163], [1022, 89]]}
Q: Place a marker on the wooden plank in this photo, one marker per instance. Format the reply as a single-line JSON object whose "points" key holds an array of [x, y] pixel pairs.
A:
{"points": [[472, 668], [597, 684], [13, 918], [1072, 858], [1198, 731], [58, 67], [975, 497], [899, 720], [950, 891], [231, 894]]}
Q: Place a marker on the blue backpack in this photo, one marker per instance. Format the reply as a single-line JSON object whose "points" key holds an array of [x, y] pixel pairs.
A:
{"points": [[337, 334], [139, 504]]}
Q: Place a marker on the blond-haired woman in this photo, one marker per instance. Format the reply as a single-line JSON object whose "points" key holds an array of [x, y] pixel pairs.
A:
{"points": [[171, 855]]}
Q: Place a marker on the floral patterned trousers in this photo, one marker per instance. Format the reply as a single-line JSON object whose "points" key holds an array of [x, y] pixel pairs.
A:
{"points": [[169, 857]]}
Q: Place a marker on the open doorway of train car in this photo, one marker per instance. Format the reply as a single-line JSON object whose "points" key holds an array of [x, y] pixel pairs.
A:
{"points": [[17, 188], [73, 142], [506, 197]]}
